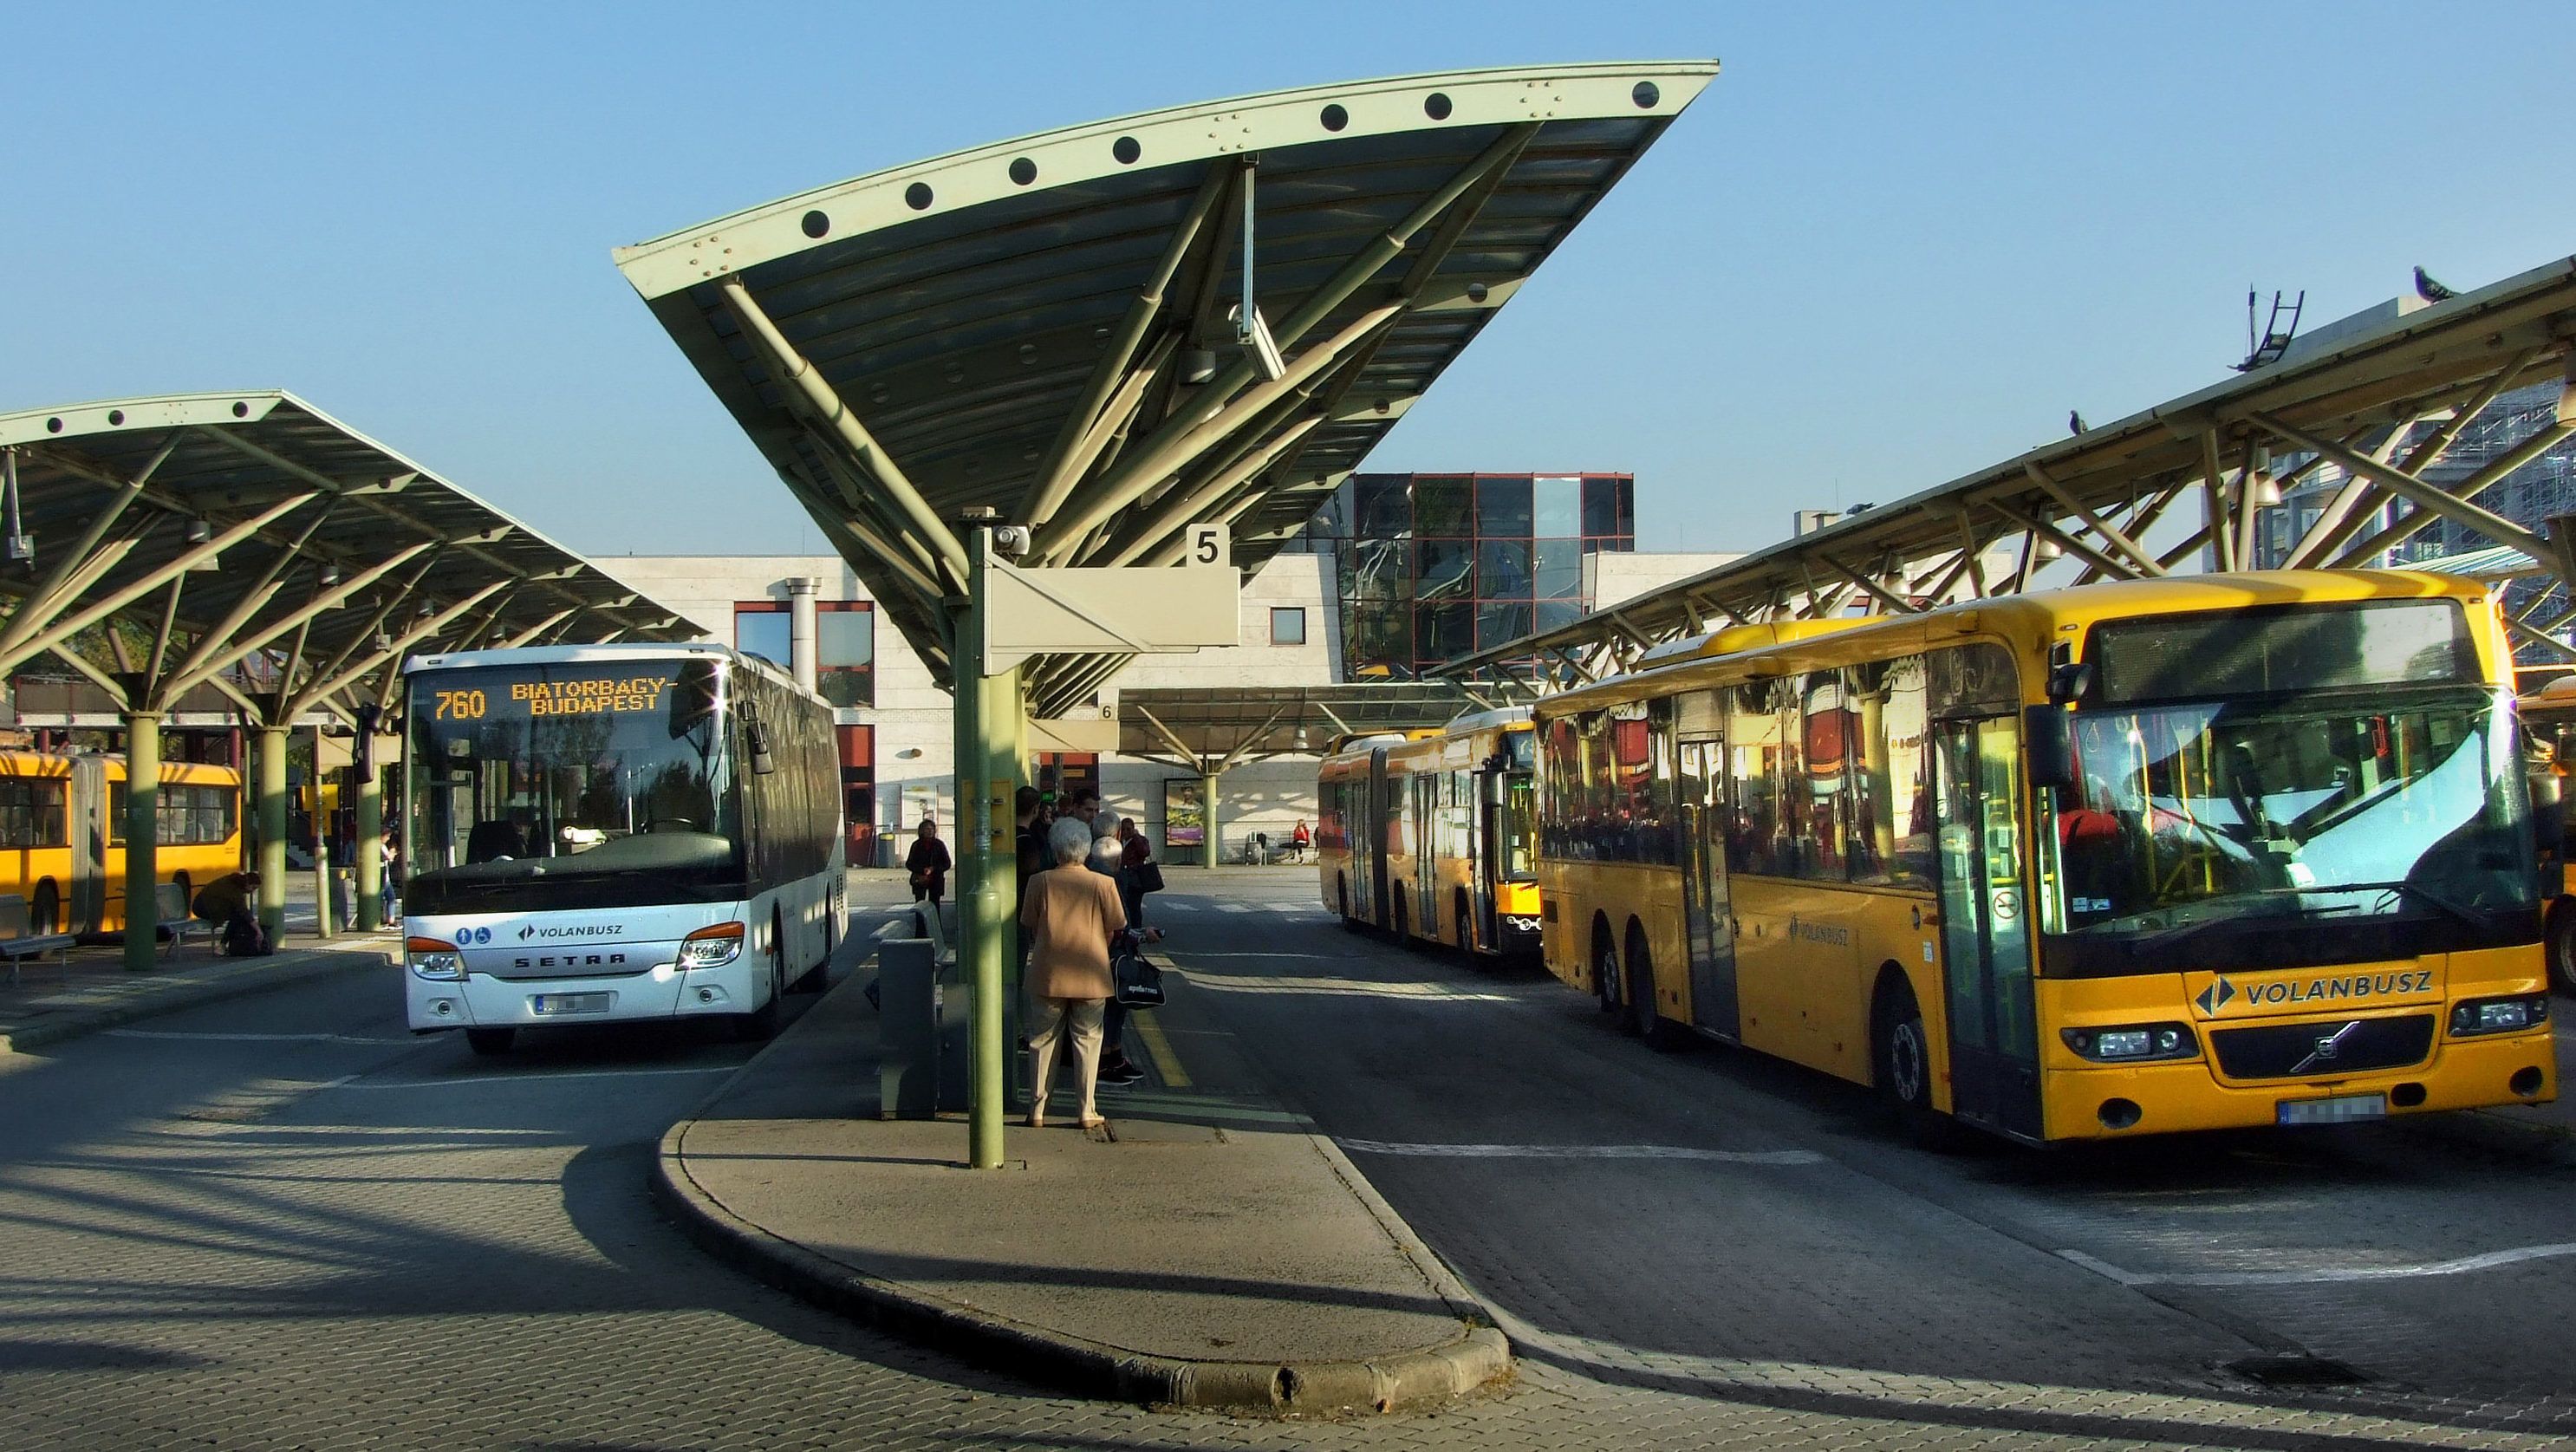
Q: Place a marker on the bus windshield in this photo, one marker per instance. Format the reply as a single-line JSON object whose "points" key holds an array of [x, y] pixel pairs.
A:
{"points": [[569, 785], [2324, 810]]}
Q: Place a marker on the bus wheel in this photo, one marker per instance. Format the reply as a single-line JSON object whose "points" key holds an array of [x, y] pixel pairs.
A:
{"points": [[1466, 929], [1400, 932], [1643, 1019], [1605, 970], [1903, 1060], [489, 1041], [45, 910], [1342, 897], [2562, 947]]}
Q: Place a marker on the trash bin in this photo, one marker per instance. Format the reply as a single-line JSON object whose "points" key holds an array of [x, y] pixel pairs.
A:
{"points": [[909, 1008]]}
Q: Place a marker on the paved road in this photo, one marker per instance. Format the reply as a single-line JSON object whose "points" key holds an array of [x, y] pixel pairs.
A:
{"points": [[282, 1222]]}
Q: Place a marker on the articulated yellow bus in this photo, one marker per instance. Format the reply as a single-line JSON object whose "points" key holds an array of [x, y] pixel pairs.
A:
{"points": [[2166, 855], [1433, 836], [62, 819]]}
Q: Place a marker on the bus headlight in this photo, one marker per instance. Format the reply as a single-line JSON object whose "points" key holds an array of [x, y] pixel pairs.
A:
{"points": [[2130, 1043], [711, 947], [434, 958], [2498, 1015]]}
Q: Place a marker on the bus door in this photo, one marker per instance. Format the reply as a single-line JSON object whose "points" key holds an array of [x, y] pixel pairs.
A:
{"points": [[1485, 879], [1985, 924], [1707, 909], [85, 817], [1375, 825], [1425, 839]]}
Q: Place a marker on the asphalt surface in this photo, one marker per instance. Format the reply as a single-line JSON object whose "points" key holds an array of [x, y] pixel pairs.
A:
{"points": [[280, 1221]]}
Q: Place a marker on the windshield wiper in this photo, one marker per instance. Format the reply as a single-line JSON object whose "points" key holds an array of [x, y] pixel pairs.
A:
{"points": [[2464, 913]]}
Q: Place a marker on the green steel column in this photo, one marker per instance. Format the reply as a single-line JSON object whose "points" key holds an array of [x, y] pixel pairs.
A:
{"points": [[1207, 816], [322, 864], [371, 829], [142, 828], [1004, 719], [988, 734], [272, 831]]}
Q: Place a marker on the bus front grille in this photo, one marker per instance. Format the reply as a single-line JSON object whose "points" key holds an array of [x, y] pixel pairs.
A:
{"points": [[2323, 1050]]}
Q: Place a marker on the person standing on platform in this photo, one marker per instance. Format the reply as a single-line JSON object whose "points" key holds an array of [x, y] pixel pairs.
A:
{"points": [[928, 862], [1070, 914]]}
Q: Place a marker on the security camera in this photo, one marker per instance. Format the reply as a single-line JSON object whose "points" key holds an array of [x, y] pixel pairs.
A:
{"points": [[1011, 539]]}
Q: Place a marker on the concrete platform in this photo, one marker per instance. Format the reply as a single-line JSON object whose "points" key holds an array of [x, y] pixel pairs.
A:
{"points": [[90, 988], [1206, 1250]]}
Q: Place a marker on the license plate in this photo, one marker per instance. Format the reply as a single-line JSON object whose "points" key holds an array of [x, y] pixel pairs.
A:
{"points": [[2342, 1109], [551, 1004]]}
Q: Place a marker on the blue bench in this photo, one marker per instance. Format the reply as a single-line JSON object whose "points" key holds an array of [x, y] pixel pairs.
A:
{"points": [[20, 942]]}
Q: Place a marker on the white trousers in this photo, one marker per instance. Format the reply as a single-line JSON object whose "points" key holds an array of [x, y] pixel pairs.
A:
{"points": [[1057, 1021]]}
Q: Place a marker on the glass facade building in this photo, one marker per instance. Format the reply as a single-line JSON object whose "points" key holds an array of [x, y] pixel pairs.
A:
{"points": [[1434, 566]]}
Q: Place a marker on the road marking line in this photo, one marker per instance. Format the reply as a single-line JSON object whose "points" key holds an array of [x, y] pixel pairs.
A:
{"points": [[483, 1080], [123, 1033], [1337, 987], [2460, 1266], [1167, 1064], [1581, 1152]]}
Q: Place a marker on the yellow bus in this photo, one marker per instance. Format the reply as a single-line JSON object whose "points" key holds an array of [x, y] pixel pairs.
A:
{"points": [[2165, 855], [62, 821], [1432, 836]]}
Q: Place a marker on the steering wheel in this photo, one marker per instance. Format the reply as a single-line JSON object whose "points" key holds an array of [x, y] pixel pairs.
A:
{"points": [[685, 824]]}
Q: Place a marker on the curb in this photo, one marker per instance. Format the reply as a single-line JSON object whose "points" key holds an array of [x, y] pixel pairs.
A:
{"points": [[234, 985], [1411, 1381]]}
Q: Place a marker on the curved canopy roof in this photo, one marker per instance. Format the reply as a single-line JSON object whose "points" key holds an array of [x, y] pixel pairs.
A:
{"points": [[1050, 328], [221, 526], [2382, 402]]}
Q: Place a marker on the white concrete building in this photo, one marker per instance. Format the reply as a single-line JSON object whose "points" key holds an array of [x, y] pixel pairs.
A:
{"points": [[897, 751]]}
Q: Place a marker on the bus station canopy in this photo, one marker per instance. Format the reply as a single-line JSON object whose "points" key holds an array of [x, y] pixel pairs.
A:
{"points": [[2383, 398], [251, 543], [1208, 730], [1052, 328]]}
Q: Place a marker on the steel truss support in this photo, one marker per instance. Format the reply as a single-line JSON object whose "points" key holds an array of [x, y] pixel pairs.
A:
{"points": [[2424, 495], [859, 448], [1218, 410]]}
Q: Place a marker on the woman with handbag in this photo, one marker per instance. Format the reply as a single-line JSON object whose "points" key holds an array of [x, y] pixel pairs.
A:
{"points": [[1070, 913]]}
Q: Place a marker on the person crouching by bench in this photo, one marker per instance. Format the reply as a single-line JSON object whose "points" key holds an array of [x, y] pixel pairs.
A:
{"points": [[226, 903]]}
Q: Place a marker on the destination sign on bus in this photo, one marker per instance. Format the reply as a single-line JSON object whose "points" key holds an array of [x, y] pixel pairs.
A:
{"points": [[592, 696]]}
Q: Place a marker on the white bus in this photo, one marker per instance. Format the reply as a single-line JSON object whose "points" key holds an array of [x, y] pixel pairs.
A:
{"points": [[620, 832]]}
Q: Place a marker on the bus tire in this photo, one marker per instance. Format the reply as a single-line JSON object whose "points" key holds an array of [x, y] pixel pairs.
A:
{"points": [[1645, 1018], [1466, 928], [1342, 896], [490, 1041], [1401, 932], [1901, 1058], [1605, 970], [45, 909], [2562, 948]]}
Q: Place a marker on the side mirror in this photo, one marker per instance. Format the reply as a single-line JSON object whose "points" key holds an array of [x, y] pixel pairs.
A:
{"points": [[2069, 683], [2050, 745], [755, 738], [2548, 812]]}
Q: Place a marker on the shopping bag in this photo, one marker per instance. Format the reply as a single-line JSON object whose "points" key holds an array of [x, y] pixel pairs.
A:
{"points": [[1139, 983]]}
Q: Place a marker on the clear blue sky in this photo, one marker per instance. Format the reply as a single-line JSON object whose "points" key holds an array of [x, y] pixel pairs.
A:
{"points": [[1890, 244]]}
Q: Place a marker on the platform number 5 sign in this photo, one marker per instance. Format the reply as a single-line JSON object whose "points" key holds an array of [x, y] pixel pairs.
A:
{"points": [[1207, 545]]}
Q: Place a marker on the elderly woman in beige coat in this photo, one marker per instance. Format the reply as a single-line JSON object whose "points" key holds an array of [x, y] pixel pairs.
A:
{"points": [[1069, 912]]}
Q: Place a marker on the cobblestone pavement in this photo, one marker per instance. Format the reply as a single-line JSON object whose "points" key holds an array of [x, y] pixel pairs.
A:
{"points": [[282, 1222]]}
